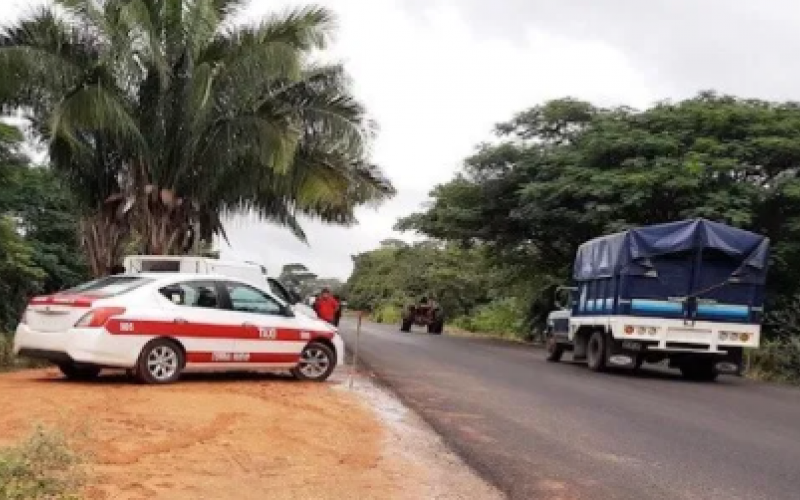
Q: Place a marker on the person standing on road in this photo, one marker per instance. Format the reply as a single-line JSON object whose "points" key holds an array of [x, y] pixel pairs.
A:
{"points": [[338, 316], [326, 306]]}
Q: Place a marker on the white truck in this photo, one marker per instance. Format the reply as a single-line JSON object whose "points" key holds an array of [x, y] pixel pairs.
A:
{"points": [[688, 292], [203, 265]]}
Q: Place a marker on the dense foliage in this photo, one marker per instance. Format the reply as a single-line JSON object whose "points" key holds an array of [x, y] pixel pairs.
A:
{"points": [[564, 172], [166, 115], [39, 250], [472, 291]]}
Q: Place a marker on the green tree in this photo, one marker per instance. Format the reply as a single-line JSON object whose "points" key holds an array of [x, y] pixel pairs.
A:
{"points": [[458, 279], [165, 115], [39, 250], [566, 171]]}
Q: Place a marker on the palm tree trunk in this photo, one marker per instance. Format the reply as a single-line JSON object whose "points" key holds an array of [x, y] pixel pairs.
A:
{"points": [[103, 240]]}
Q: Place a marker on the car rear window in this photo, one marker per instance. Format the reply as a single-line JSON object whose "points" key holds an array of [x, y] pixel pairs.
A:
{"points": [[109, 286]]}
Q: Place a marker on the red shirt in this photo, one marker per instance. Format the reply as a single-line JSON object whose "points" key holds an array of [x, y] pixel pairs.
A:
{"points": [[326, 308]]}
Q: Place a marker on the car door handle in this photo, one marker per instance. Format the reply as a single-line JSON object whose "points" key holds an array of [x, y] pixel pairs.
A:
{"points": [[180, 320]]}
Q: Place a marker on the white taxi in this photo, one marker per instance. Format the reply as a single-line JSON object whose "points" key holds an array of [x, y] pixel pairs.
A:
{"points": [[160, 325]]}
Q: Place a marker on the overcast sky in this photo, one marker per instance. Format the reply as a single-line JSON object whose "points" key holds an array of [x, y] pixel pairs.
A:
{"points": [[438, 74]]}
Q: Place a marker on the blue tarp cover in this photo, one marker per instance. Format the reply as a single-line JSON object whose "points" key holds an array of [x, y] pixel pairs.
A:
{"points": [[627, 252]]}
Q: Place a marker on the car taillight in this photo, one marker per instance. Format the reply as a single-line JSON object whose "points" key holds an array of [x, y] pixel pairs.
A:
{"points": [[98, 317]]}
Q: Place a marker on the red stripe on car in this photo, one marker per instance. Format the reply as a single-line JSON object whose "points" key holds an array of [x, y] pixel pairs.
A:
{"points": [[118, 326], [242, 357]]}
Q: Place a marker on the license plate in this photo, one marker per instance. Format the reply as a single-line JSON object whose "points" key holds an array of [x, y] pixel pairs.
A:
{"points": [[632, 346]]}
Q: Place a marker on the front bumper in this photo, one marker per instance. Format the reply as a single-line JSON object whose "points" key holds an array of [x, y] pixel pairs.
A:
{"points": [[338, 343], [91, 346]]}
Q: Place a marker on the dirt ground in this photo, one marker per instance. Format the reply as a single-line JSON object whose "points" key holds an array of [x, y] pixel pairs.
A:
{"points": [[243, 437]]}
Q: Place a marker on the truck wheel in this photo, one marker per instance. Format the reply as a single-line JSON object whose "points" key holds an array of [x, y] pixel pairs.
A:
{"points": [[436, 328], [596, 352], [638, 361], [699, 370], [405, 326], [554, 349]]}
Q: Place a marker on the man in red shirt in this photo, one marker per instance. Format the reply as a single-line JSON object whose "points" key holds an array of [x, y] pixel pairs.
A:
{"points": [[326, 306]]}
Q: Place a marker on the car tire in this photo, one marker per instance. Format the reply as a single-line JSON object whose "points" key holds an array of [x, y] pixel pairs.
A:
{"points": [[405, 326], [79, 372], [554, 349], [160, 362], [596, 352], [699, 371], [317, 363]]}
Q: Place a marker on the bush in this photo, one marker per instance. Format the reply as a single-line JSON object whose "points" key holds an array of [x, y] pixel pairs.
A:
{"points": [[387, 313], [504, 317], [7, 359], [44, 467], [777, 360]]}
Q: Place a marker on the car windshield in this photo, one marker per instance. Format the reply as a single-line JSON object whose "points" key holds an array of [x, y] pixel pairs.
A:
{"points": [[109, 286]]}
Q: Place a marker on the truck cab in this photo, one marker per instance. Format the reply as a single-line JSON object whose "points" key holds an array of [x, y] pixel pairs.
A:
{"points": [[688, 292]]}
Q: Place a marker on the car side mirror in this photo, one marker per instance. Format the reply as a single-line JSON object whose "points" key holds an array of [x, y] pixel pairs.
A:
{"points": [[288, 312]]}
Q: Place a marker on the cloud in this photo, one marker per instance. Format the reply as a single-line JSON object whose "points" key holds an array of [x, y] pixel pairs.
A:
{"points": [[741, 47]]}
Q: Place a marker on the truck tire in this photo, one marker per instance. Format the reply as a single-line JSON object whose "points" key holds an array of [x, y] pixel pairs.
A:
{"points": [[436, 328], [554, 349], [702, 370], [597, 352]]}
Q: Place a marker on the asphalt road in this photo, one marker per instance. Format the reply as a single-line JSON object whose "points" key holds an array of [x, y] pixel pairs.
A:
{"points": [[543, 430]]}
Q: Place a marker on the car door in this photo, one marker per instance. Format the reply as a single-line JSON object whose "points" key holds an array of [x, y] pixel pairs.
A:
{"points": [[200, 322], [272, 336]]}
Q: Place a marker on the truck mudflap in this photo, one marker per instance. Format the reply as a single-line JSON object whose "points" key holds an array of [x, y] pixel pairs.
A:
{"points": [[632, 353]]}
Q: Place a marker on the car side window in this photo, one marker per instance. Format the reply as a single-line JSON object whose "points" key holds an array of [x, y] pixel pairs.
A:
{"points": [[248, 299], [201, 294]]}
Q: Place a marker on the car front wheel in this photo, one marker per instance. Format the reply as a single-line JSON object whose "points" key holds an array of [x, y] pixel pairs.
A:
{"points": [[317, 362]]}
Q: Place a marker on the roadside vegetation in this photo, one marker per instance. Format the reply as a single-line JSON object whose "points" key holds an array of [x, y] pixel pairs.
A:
{"points": [[503, 232], [42, 467]]}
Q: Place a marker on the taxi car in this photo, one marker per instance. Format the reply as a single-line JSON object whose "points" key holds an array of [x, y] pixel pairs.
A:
{"points": [[159, 325]]}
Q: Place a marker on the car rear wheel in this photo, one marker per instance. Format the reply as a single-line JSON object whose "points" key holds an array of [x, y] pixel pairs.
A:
{"points": [[317, 362], [405, 325], [75, 372], [160, 362]]}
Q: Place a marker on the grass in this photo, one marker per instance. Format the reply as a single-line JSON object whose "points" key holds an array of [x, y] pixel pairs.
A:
{"points": [[42, 467], [9, 362], [776, 361]]}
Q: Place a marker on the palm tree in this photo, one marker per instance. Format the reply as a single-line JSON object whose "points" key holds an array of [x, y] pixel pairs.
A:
{"points": [[166, 115]]}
